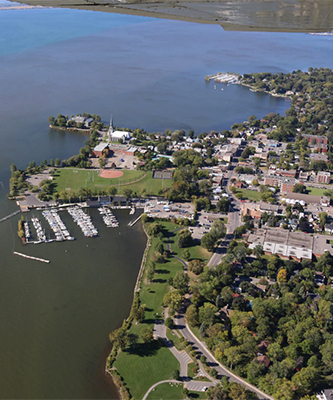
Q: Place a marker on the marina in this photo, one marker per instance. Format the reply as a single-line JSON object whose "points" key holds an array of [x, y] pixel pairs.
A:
{"points": [[39, 231], [223, 77], [108, 217], [57, 225], [83, 220]]}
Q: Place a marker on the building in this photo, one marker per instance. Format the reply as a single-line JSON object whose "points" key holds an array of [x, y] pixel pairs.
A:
{"points": [[117, 135], [307, 199], [323, 177], [315, 139], [287, 187], [102, 149], [295, 245]]}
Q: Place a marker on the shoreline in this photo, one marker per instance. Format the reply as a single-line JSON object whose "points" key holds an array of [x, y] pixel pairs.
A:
{"points": [[108, 367]]}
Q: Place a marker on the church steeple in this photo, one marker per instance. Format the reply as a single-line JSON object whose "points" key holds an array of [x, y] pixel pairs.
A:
{"points": [[111, 128]]}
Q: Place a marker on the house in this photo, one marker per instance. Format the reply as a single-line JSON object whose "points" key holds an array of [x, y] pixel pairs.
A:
{"points": [[315, 139], [309, 199], [329, 228], [287, 187], [88, 122], [263, 360]]}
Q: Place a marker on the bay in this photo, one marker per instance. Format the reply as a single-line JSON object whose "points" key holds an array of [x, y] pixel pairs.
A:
{"points": [[150, 74]]}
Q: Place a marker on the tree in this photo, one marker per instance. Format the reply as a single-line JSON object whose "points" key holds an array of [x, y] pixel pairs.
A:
{"points": [[139, 313], [169, 323], [217, 393], [57, 162], [147, 334], [184, 238], [323, 219], [207, 314], [196, 266], [192, 315], [173, 300], [128, 193], [13, 168], [121, 337], [218, 229], [180, 281], [154, 229], [282, 275], [208, 242], [101, 162], [51, 120], [186, 254], [112, 191], [299, 188], [258, 251]]}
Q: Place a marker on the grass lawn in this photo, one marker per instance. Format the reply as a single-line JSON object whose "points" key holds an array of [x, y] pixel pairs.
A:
{"points": [[167, 391], [315, 191], [249, 194], [140, 372], [197, 252], [75, 178]]}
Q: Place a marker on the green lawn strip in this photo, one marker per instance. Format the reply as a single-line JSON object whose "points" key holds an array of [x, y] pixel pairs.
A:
{"points": [[190, 368], [140, 372], [175, 340], [167, 391], [147, 364], [315, 191]]}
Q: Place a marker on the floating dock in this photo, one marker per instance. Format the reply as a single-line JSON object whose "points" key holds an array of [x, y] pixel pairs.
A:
{"points": [[31, 257]]}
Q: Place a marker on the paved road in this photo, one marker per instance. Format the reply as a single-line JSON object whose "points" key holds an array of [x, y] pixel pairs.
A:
{"points": [[200, 347]]}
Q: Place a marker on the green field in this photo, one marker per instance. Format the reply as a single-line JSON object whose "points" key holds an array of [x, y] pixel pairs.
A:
{"points": [[249, 194], [75, 178], [167, 391], [315, 191]]}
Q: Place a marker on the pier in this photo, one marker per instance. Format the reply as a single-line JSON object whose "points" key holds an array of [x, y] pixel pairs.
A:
{"points": [[9, 216], [135, 221], [31, 257]]}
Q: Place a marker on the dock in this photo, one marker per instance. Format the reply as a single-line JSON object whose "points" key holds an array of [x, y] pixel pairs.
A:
{"points": [[135, 221], [31, 257]]}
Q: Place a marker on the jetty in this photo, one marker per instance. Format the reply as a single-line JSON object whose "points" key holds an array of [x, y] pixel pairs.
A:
{"points": [[10, 215], [31, 257], [135, 221], [108, 217], [83, 221]]}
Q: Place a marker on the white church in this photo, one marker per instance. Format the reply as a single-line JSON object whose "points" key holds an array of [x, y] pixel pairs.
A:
{"points": [[116, 135]]}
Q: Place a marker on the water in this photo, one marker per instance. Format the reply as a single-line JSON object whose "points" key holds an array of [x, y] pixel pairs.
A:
{"points": [[150, 74]]}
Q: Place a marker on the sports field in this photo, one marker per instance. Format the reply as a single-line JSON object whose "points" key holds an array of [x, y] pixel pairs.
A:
{"points": [[75, 178]]}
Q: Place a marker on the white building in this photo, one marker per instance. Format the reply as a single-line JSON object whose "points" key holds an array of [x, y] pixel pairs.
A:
{"points": [[116, 135]]}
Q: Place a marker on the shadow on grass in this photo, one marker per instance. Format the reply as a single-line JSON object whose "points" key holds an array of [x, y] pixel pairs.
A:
{"points": [[145, 349], [159, 280], [162, 271]]}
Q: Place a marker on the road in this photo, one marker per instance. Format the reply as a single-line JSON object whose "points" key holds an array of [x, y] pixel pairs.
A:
{"points": [[201, 348]]}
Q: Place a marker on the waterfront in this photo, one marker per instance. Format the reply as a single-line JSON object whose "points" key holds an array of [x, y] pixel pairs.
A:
{"points": [[56, 317]]}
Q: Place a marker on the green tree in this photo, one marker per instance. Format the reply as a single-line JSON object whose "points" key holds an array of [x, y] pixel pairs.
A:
{"points": [[147, 334], [207, 314], [180, 281], [196, 266], [128, 193], [173, 300], [208, 242], [192, 315]]}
